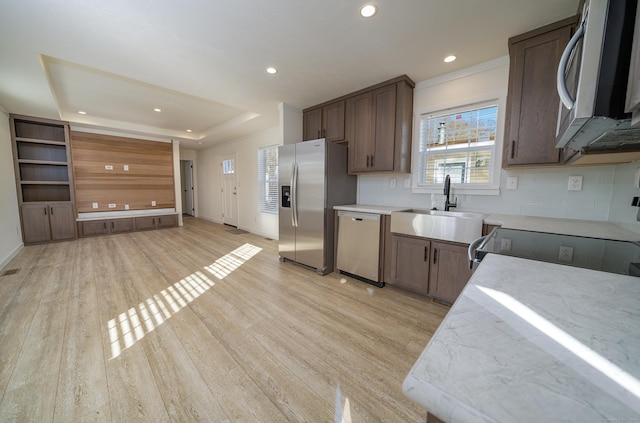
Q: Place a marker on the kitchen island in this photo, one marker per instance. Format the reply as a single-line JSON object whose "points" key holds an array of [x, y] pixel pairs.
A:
{"points": [[529, 341]]}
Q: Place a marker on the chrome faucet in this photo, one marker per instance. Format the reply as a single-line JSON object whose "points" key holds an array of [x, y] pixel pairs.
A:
{"points": [[447, 191]]}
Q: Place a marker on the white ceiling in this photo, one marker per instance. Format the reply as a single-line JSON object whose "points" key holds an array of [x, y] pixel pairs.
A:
{"points": [[203, 61]]}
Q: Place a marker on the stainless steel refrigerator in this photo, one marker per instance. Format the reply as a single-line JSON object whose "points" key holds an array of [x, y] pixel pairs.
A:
{"points": [[312, 178]]}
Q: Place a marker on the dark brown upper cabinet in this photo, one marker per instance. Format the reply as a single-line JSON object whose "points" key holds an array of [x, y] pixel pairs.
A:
{"points": [[532, 100]]}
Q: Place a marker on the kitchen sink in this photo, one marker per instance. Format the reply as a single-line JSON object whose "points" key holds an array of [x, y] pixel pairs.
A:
{"points": [[455, 226]]}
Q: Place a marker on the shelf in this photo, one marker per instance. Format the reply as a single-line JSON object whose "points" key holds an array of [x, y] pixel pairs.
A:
{"points": [[61, 183], [42, 152], [45, 192], [39, 130], [40, 141], [42, 162]]}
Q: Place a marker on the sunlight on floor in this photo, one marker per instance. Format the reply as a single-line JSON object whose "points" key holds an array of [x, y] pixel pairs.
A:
{"points": [[342, 413], [132, 325], [604, 366]]}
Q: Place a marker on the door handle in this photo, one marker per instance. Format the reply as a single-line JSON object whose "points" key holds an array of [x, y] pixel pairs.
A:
{"points": [[294, 194], [561, 82]]}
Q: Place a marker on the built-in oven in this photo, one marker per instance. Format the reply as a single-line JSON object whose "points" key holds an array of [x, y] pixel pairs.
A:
{"points": [[607, 255]]}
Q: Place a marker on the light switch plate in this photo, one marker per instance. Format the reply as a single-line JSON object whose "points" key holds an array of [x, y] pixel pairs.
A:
{"points": [[153, 203], [575, 183], [126, 167], [95, 205], [126, 207], [392, 182]]}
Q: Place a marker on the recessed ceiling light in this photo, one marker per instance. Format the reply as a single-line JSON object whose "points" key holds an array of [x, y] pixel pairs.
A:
{"points": [[189, 130], [157, 110], [272, 70], [81, 112], [450, 59], [368, 10], [199, 142]]}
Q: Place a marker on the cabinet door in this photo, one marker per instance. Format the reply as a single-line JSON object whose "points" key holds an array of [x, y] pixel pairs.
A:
{"points": [[145, 223], [121, 225], [312, 124], [360, 122], [94, 227], [384, 100], [449, 272], [167, 221], [63, 223], [410, 264], [333, 122], [35, 223], [533, 101]]}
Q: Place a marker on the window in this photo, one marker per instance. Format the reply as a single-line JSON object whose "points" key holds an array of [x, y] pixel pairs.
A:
{"points": [[268, 179], [228, 167], [460, 143]]}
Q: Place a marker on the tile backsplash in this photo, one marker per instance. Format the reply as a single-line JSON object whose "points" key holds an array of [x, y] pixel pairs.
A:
{"points": [[606, 194]]}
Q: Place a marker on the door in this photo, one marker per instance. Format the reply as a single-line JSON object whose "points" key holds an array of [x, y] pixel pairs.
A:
{"points": [[384, 100], [229, 191], [186, 178], [361, 132], [449, 271], [287, 231], [310, 203], [63, 223], [35, 223]]}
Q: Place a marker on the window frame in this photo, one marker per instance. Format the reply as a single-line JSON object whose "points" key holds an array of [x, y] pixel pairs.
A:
{"points": [[493, 186], [265, 206]]}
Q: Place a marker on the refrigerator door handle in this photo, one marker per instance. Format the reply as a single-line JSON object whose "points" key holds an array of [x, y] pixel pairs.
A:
{"points": [[294, 197]]}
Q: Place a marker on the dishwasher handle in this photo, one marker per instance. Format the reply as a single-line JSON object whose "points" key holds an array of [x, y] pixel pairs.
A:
{"points": [[358, 217]]}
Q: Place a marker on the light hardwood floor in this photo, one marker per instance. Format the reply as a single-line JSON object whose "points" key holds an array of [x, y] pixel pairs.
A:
{"points": [[196, 324]]}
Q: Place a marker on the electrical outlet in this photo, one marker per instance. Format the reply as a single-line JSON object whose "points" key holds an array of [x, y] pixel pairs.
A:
{"points": [[126, 207], [112, 206], [126, 167], [575, 183], [392, 183], [512, 182], [565, 254], [505, 244], [153, 203], [95, 205], [108, 167]]}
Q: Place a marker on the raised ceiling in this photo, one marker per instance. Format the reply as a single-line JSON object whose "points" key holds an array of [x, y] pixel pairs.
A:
{"points": [[203, 62]]}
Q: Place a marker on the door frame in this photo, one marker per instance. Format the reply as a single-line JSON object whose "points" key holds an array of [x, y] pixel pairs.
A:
{"points": [[188, 193]]}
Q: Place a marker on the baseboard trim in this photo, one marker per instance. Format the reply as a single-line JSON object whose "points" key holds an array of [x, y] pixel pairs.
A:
{"points": [[10, 257]]}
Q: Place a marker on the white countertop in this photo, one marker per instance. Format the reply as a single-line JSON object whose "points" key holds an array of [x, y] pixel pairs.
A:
{"points": [[529, 341], [590, 228], [363, 208], [123, 213]]}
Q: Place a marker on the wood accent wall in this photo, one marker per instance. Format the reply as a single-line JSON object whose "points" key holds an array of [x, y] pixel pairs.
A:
{"points": [[149, 178]]}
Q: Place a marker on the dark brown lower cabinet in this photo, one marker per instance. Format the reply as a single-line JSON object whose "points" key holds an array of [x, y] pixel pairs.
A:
{"points": [[156, 222], [449, 271], [43, 222], [410, 263], [106, 226]]}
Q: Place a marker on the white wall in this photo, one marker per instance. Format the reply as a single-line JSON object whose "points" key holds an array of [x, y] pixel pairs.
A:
{"points": [[607, 190], [209, 177], [10, 237]]}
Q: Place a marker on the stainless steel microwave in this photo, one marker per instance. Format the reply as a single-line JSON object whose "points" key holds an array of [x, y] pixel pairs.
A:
{"points": [[593, 76]]}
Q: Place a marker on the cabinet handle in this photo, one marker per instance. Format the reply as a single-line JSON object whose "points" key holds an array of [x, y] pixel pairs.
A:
{"points": [[372, 158], [324, 133], [426, 253], [435, 254], [367, 160], [159, 221], [45, 211], [513, 149], [112, 226], [318, 133], [105, 225], [153, 220], [51, 211]]}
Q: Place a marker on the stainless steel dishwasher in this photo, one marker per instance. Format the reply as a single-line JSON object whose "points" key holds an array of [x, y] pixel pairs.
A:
{"points": [[359, 246]]}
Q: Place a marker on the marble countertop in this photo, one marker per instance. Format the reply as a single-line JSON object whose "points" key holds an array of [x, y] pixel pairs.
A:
{"points": [[529, 341], [363, 208], [590, 228]]}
